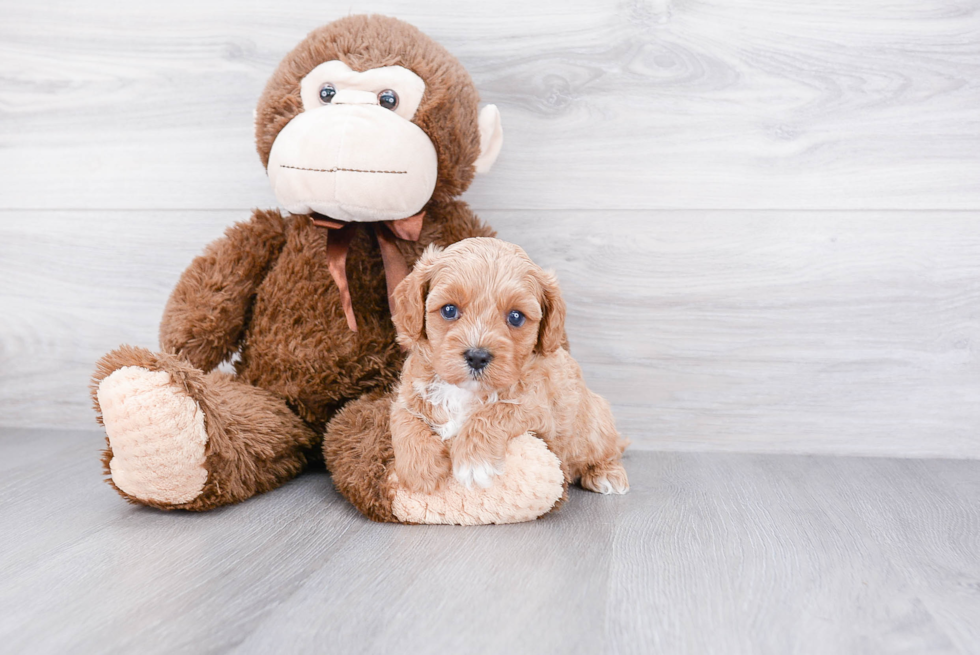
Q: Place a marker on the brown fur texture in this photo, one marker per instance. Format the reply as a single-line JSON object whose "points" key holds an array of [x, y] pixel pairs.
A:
{"points": [[453, 418], [358, 452], [263, 296]]}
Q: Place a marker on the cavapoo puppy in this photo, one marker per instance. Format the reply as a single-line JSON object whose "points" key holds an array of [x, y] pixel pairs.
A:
{"points": [[484, 326]]}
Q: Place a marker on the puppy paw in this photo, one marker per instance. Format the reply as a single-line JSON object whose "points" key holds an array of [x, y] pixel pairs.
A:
{"points": [[478, 472], [606, 479]]}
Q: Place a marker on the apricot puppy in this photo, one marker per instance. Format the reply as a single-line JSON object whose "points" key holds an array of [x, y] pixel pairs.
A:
{"points": [[485, 329]]}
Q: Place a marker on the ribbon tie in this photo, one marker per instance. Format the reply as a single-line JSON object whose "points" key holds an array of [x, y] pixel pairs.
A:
{"points": [[338, 242]]}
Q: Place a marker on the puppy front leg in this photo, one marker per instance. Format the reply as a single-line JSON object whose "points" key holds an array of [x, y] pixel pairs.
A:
{"points": [[420, 456], [478, 451]]}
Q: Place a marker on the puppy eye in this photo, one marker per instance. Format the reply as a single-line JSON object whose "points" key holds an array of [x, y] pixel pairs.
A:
{"points": [[449, 312], [515, 318], [388, 99], [327, 92]]}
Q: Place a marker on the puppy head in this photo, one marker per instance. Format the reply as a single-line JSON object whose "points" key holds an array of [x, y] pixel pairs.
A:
{"points": [[478, 311]]}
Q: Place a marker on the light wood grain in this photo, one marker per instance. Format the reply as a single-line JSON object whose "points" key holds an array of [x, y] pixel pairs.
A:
{"points": [[774, 331], [816, 538], [725, 553], [125, 133], [643, 104]]}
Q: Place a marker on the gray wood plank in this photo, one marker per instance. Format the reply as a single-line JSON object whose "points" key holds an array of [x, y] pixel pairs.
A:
{"points": [[656, 104], [503, 589], [118, 578], [940, 556], [826, 332], [821, 332], [806, 534], [717, 552]]}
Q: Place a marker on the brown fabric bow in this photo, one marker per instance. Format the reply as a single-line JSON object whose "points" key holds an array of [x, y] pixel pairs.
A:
{"points": [[338, 242]]}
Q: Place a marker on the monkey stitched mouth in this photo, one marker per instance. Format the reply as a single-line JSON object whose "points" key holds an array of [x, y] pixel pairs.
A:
{"points": [[340, 170]]}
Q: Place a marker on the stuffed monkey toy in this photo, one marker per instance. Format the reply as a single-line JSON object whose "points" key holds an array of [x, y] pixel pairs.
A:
{"points": [[369, 132]]}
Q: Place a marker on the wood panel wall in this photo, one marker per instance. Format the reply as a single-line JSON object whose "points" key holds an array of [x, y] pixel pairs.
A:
{"points": [[764, 214]]}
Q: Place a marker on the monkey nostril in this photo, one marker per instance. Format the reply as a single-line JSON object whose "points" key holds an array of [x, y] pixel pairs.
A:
{"points": [[477, 358]]}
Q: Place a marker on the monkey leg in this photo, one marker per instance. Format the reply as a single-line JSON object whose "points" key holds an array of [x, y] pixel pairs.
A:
{"points": [[357, 449], [178, 438]]}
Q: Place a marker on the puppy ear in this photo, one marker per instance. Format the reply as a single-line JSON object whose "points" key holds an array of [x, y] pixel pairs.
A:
{"points": [[551, 332], [409, 314]]}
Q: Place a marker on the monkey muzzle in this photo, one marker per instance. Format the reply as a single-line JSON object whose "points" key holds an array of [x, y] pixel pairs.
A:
{"points": [[353, 162]]}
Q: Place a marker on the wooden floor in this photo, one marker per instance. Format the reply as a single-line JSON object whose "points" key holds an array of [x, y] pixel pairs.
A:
{"points": [[724, 553]]}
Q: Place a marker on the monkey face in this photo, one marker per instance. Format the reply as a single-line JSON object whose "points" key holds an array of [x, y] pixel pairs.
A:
{"points": [[354, 153], [368, 119]]}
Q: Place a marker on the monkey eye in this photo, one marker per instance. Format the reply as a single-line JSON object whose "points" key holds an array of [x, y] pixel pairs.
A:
{"points": [[449, 312], [515, 318], [327, 92], [388, 99]]}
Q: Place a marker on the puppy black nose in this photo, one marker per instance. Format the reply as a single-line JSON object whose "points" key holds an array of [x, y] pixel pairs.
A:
{"points": [[477, 358]]}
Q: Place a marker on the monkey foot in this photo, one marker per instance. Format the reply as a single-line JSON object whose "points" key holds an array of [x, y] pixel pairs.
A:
{"points": [[531, 484], [156, 433]]}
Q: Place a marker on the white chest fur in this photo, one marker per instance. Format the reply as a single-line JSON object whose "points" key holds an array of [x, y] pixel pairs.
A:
{"points": [[453, 404]]}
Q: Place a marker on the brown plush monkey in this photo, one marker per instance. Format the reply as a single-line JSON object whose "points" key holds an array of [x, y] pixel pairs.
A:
{"points": [[369, 131]]}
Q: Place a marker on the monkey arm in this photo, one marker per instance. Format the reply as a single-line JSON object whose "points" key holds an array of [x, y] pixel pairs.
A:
{"points": [[207, 311]]}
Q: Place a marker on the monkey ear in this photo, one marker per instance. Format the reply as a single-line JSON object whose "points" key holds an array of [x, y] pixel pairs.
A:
{"points": [[551, 332], [409, 314], [491, 138]]}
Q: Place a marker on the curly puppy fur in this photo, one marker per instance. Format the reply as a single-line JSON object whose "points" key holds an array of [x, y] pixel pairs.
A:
{"points": [[485, 327], [264, 293]]}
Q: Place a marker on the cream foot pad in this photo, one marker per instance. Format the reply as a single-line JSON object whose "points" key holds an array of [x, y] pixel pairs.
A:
{"points": [[156, 432], [530, 486]]}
